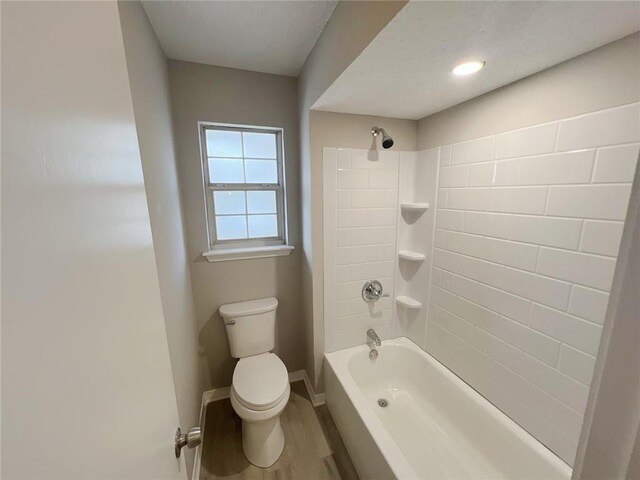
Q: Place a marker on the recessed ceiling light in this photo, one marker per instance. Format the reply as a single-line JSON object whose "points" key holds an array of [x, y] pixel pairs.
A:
{"points": [[468, 68]]}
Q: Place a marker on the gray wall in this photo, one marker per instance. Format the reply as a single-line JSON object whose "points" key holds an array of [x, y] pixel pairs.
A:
{"points": [[149, 81], [606, 77], [218, 94], [350, 29]]}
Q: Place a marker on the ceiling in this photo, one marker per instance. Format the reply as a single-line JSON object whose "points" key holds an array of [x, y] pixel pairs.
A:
{"points": [[271, 37], [405, 72]]}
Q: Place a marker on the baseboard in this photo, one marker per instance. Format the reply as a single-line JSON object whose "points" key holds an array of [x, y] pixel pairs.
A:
{"points": [[209, 396], [216, 394], [296, 376], [317, 399]]}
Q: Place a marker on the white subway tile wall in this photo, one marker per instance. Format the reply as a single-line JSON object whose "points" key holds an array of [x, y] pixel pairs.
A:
{"points": [[367, 213], [528, 227]]}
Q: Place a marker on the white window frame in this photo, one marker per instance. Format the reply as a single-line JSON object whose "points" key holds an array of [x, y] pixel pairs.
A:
{"points": [[253, 244]]}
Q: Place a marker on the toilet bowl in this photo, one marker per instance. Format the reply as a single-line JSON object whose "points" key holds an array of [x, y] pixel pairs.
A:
{"points": [[259, 393], [260, 387]]}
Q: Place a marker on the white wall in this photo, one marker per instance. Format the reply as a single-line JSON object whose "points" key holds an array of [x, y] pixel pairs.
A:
{"points": [[527, 233], [86, 379], [149, 82]]}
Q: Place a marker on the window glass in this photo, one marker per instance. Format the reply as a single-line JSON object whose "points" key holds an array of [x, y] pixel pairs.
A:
{"points": [[263, 226], [261, 171], [229, 202], [226, 170], [224, 143], [261, 201], [260, 145], [231, 227]]}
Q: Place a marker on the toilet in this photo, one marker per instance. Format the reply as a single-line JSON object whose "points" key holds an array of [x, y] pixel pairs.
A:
{"points": [[260, 387]]}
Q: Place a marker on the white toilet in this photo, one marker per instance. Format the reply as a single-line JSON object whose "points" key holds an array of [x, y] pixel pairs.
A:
{"points": [[260, 388]]}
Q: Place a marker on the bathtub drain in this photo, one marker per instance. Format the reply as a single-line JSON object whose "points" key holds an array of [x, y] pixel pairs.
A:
{"points": [[383, 402]]}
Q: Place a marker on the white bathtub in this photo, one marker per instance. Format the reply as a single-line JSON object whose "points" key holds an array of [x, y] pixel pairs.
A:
{"points": [[434, 427]]}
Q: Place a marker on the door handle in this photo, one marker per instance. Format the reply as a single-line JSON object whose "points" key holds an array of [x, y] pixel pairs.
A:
{"points": [[191, 439]]}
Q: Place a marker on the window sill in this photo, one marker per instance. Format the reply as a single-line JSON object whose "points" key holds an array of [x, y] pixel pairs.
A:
{"points": [[247, 253]]}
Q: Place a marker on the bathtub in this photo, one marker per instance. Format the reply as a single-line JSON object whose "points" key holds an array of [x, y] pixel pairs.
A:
{"points": [[434, 425]]}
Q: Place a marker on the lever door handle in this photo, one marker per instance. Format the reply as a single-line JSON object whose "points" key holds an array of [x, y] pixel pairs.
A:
{"points": [[191, 439]]}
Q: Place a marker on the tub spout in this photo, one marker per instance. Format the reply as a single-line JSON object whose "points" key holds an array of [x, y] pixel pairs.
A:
{"points": [[373, 340]]}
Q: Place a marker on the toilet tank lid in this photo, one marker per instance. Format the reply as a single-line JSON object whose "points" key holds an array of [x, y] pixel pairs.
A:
{"points": [[252, 307]]}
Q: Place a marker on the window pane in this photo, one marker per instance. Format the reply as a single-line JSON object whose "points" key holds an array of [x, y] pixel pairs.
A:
{"points": [[226, 170], [229, 202], [263, 226], [229, 228], [261, 202], [259, 145], [262, 171], [223, 143]]}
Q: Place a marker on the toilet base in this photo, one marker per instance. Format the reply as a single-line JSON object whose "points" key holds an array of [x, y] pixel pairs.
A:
{"points": [[263, 442]]}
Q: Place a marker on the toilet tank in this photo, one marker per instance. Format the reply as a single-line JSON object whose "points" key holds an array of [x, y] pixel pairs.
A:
{"points": [[251, 326]]}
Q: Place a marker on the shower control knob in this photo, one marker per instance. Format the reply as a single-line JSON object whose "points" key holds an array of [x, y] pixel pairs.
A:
{"points": [[372, 291]]}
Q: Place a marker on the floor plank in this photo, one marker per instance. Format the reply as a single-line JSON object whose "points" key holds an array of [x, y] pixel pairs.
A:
{"points": [[313, 448], [340, 455]]}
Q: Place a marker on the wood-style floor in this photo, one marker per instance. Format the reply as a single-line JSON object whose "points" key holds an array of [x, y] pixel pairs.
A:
{"points": [[313, 447]]}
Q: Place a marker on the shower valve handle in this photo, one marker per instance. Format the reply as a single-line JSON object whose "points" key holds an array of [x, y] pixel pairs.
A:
{"points": [[372, 291]]}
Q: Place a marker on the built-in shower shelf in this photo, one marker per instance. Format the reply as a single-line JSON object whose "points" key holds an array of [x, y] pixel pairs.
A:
{"points": [[412, 256], [414, 207], [408, 302]]}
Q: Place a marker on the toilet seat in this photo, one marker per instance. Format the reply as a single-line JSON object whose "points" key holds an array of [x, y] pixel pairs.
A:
{"points": [[260, 382]]}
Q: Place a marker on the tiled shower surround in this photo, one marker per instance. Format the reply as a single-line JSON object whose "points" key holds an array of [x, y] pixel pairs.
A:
{"points": [[364, 238], [527, 230]]}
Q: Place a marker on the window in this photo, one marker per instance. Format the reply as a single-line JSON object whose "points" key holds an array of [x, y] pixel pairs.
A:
{"points": [[244, 183]]}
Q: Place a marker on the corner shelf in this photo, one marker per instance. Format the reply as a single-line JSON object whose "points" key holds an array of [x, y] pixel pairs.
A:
{"points": [[414, 207], [408, 302], [412, 256]]}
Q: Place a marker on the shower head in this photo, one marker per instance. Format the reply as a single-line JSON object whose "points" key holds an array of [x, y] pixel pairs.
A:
{"points": [[387, 141]]}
